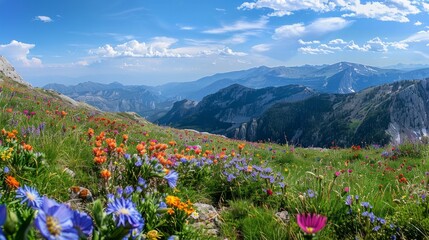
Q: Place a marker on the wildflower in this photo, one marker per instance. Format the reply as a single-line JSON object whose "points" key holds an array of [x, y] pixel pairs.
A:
{"points": [[337, 174], [54, 221], [171, 178], [366, 205], [129, 190], [6, 170], [311, 193], [173, 237], [105, 174], [376, 228], [141, 181], [269, 192], [195, 215], [349, 200], [311, 223], [11, 182], [82, 223], [346, 189], [3, 216], [124, 213], [153, 235], [30, 196]]}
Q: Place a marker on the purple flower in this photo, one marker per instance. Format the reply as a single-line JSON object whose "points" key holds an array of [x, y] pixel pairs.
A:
{"points": [[171, 178], [82, 223], [124, 213], [141, 181], [30, 196], [129, 190], [349, 200], [311, 223], [54, 221], [366, 205], [311, 193], [3, 215], [6, 170], [376, 228]]}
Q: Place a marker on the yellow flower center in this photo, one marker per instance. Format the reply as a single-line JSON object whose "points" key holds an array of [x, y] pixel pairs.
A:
{"points": [[30, 196], [53, 225], [123, 211], [310, 230]]}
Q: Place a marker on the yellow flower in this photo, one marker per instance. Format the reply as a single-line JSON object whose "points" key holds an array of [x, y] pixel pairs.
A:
{"points": [[153, 235]]}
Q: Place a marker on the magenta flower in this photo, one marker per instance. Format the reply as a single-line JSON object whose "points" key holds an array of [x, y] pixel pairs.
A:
{"points": [[311, 223]]}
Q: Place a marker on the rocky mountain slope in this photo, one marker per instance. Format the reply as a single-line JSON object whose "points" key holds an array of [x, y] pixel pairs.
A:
{"points": [[391, 113], [229, 108]]}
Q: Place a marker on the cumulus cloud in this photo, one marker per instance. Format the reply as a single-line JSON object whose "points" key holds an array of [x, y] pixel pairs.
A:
{"points": [[337, 41], [44, 19], [376, 45], [18, 52], [240, 26], [302, 42], [314, 51], [390, 10], [318, 27], [161, 47], [418, 23], [287, 7]]}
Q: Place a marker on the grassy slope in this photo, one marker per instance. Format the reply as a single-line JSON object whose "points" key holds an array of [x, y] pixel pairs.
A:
{"points": [[64, 142]]}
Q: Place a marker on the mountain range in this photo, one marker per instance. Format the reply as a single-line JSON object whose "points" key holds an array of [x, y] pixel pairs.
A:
{"points": [[390, 113], [153, 102]]}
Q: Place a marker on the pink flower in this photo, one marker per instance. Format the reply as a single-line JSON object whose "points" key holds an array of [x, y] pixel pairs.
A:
{"points": [[311, 223], [337, 173], [346, 189]]}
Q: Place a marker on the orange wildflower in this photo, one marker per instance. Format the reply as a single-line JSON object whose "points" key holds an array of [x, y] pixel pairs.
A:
{"points": [[11, 182], [105, 174], [27, 147]]}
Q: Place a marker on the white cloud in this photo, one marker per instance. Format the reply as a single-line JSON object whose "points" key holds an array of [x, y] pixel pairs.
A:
{"points": [[186, 28], [314, 51], [389, 10], [240, 26], [318, 27], [353, 46], [418, 23], [330, 47], [44, 19], [302, 42], [425, 6], [393, 10], [376, 44], [162, 47], [287, 7], [18, 52], [421, 36], [337, 41], [261, 48]]}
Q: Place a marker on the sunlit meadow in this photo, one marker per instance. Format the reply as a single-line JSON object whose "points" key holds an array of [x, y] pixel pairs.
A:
{"points": [[72, 172]]}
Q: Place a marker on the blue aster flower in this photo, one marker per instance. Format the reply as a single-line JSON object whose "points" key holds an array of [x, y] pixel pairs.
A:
{"points": [[3, 215], [171, 178], [129, 190], [30, 196], [141, 182], [376, 228], [82, 223], [54, 221], [311, 193], [124, 213]]}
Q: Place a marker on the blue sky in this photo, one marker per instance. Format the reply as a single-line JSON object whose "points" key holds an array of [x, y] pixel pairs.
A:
{"points": [[152, 42]]}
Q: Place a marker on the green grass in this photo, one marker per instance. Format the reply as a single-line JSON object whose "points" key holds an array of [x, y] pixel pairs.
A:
{"points": [[394, 185]]}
